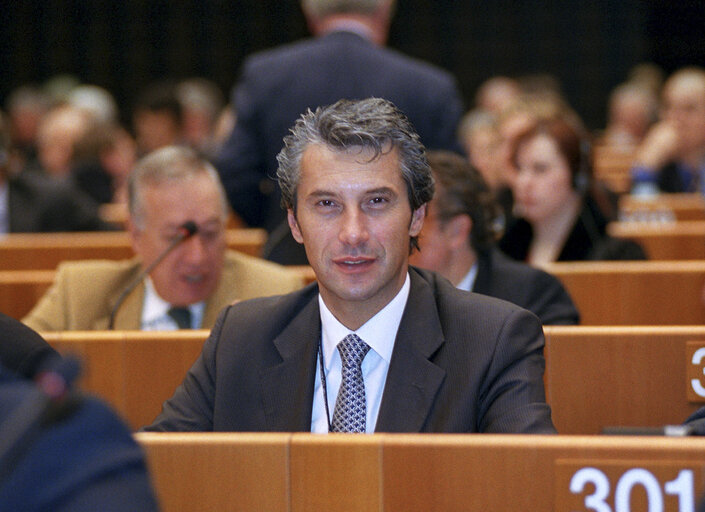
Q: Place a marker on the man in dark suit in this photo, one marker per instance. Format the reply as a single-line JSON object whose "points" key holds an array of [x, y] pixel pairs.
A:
{"points": [[458, 241], [346, 59], [414, 353]]}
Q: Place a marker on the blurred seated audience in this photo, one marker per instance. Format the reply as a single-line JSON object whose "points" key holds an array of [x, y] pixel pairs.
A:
{"points": [[558, 217], [511, 122], [201, 105], [103, 158], [496, 93], [34, 203], [631, 111], [95, 101], [25, 107], [58, 132], [157, 118], [458, 241], [167, 190], [672, 155], [479, 138]]}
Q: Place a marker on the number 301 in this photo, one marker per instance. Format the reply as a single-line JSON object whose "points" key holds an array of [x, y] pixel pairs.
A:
{"points": [[681, 486]]}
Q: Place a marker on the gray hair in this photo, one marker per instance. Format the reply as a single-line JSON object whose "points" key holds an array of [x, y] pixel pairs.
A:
{"points": [[165, 165], [372, 123], [320, 8]]}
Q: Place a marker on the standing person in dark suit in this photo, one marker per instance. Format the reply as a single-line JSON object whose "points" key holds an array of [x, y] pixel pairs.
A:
{"points": [[458, 241], [346, 59], [430, 358]]}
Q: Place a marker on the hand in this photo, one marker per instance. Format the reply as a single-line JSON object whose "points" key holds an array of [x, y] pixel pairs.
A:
{"points": [[659, 146]]}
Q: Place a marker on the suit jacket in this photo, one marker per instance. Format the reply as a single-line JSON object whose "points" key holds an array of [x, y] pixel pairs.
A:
{"points": [[80, 461], [277, 86], [587, 240], [84, 292], [462, 362], [38, 204], [526, 286]]}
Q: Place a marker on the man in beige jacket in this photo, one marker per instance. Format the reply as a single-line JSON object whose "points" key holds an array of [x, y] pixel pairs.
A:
{"points": [[167, 189]]}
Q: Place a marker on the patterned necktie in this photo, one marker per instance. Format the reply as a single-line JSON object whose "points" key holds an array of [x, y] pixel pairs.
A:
{"points": [[350, 405], [182, 317]]}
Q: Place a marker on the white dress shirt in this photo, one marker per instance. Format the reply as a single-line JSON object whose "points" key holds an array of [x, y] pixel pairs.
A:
{"points": [[155, 316], [379, 332], [467, 282]]}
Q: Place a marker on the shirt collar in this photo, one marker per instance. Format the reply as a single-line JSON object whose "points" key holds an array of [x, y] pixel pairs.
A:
{"points": [[379, 332], [154, 310], [467, 282], [349, 25]]}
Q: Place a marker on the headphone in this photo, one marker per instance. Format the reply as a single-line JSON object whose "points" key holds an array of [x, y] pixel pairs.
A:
{"points": [[581, 178]]}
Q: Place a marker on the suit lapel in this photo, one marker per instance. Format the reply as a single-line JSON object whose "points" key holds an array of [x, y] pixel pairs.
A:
{"points": [[287, 388], [413, 380], [223, 295]]}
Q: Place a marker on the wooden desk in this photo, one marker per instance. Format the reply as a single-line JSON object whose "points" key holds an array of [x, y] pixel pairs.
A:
{"points": [[689, 206], [44, 251], [21, 289], [135, 371], [611, 165], [421, 472], [635, 292], [600, 377], [680, 240]]}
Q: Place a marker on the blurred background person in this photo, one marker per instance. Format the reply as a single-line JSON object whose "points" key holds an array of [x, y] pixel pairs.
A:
{"points": [[95, 101], [157, 118], [513, 120], [35, 203], [58, 132], [479, 137], [672, 155], [102, 160], [458, 240], [557, 214], [25, 107], [202, 103], [167, 189], [631, 111], [497, 93]]}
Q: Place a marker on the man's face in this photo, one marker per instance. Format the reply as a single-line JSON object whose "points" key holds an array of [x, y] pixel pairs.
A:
{"points": [[190, 273], [435, 243], [684, 106], [355, 221]]}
